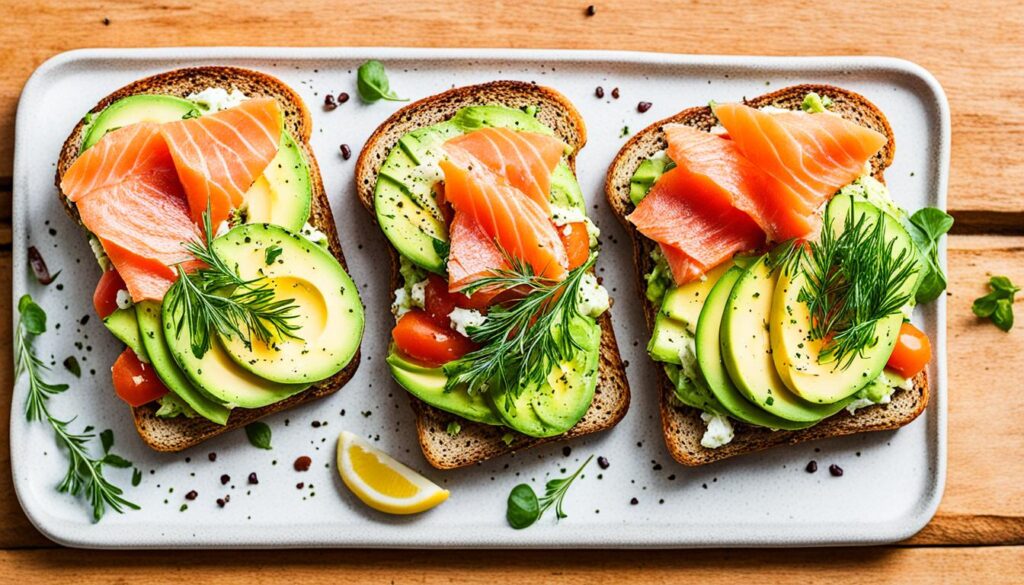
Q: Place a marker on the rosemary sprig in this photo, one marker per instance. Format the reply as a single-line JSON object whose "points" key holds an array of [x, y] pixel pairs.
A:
{"points": [[522, 341], [216, 299], [852, 280], [85, 473]]}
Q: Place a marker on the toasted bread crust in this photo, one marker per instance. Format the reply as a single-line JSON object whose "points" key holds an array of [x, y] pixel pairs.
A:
{"points": [[477, 442], [682, 426], [176, 434]]}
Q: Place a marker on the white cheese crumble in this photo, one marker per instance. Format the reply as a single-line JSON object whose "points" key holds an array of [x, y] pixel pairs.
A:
{"points": [[719, 431], [314, 235], [418, 294], [860, 403], [124, 300], [770, 109], [216, 99], [409, 297], [593, 297], [461, 319], [402, 303], [563, 216], [718, 130]]}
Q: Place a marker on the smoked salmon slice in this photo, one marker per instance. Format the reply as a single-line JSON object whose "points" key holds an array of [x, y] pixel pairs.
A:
{"points": [[814, 154], [715, 163], [513, 220], [128, 195], [219, 156], [473, 255], [684, 269], [697, 221], [525, 159]]}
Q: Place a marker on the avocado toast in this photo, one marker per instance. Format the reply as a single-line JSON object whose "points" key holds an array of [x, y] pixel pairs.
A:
{"points": [[264, 225], [724, 328], [425, 175]]}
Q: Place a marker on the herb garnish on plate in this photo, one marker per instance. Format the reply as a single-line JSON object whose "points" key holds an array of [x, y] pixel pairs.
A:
{"points": [[997, 305], [524, 508], [85, 472]]}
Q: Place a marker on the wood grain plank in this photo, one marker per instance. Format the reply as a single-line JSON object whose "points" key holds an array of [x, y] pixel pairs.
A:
{"points": [[974, 48], [990, 565], [984, 499]]}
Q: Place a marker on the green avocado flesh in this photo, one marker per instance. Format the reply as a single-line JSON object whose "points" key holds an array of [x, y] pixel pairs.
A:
{"points": [[709, 356], [329, 314], [125, 327], [151, 328], [796, 355], [281, 196], [404, 200], [427, 384]]}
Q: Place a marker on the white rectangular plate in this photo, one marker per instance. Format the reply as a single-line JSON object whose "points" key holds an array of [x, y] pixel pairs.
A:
{"points": [[893, 480]]}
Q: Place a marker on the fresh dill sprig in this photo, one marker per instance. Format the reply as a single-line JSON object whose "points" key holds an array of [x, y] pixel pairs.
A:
{"points": [[522, 341], [852, 280], [85, 473], [215, 299]]}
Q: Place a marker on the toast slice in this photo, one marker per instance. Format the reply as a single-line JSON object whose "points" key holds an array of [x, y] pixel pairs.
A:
{"points": [[682, 425], [477, 442], [176, 434]]}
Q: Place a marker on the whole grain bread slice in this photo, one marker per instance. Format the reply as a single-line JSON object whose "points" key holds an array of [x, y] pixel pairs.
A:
{"points": [[682, 425], [176, 434], [477, 442]]}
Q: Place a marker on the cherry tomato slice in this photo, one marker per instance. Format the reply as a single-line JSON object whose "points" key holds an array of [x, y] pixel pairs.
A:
{"points": [[135, 382], [577, 243], [912, 353], [104, 299], [419, 337]]}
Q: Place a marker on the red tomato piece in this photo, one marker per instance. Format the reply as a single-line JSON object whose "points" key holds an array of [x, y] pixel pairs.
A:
{"points": [[577, 243], [419, 337], [135, 382], [912, 353], [104, 299]]}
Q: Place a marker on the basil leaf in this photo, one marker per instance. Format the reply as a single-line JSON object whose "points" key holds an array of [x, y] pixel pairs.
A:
{"points": [[1002, 284], [107, 440], [33, 318], [925, 227], [933, 221], [986, 305], [1003, 315], [259, 435], [523, 507], [116, 461], [372, 83]]}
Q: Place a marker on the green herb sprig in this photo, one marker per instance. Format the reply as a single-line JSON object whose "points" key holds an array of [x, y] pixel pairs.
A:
{"points": [[524, 508], [85, 472], [373, 85], [852, 281], [997, 305], [520, 342], [259, 435], [216, 299], [925, 227]]}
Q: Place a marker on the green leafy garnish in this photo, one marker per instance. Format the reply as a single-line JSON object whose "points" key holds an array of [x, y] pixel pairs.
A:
{"points": [[216, 299], [454, 428], [271, 254], [522, 341], [258, 434], [524, 508], [998, 304], [136, 477], [373, 85], [925, 227], [852, 281], [85, 473], [815, 104]]}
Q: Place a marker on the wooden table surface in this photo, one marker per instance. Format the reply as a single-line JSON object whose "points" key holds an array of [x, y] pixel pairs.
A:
{"points": [[975, 49]]}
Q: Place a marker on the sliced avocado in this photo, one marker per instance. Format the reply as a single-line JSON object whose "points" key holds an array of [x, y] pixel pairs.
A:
{"points": [[427, 384], [135, 109], [648, 173], [152, 335], [329, 314], [404, 199], [796, 355], [215, 372], [124, 326], [747, 353], [677, 319], [282, 195], [667, 339], [709, 356]]}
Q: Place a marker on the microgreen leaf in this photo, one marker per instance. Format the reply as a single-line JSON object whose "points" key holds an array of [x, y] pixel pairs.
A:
{"points": [[372, 83], [258, 434], [997, 305], [925, 227], [523, 507]]}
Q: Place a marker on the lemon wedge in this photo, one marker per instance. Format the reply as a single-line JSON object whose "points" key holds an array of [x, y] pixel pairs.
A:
{"points": [[383, 483]]}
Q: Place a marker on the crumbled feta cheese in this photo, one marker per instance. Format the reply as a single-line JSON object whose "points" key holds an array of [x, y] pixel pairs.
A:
{"points": [[860, 403], [462, 319], [314, 235], [124, 300], [769, 109], [563, 216], [418, 294], [719, 431], [215, 99], [593, 297], [402, 303]]}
